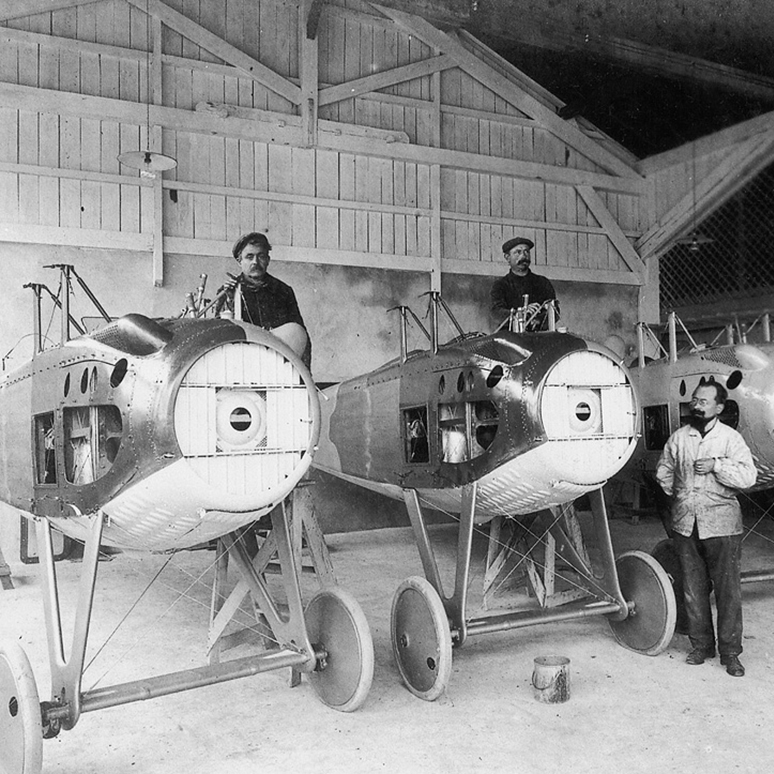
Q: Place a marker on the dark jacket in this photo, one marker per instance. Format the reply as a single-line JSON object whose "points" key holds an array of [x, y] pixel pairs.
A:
{"points": [[270, 304], [508, 292]]}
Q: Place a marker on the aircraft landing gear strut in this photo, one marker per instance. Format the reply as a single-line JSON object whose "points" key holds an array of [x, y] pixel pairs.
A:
{"points": [[634, 593]]}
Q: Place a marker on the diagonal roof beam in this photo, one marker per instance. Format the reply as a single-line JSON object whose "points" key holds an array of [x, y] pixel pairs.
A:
{"points": [[509, 91], [386, 78], [614, 232], [737, 169], [16, 9], [215, 45]]}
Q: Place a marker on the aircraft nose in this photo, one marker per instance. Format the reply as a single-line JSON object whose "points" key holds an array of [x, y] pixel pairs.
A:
{"points": [[589, 414], [245, 418]]}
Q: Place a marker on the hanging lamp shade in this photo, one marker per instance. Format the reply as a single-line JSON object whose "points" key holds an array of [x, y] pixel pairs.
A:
{"points": [[147, 161]]}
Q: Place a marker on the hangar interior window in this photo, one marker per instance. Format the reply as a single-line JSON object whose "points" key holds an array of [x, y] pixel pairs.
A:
{"points": [[45, 449], [416, 446], [656, 426], [92, 438]]}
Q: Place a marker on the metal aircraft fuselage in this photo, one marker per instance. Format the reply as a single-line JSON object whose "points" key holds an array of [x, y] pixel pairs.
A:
{"points": [[746, 370], [535, 419], [178, 431]]}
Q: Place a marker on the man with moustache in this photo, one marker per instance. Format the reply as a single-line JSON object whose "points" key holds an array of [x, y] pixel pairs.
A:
{"points": [[265, 300], [508, 292], [703, 466]]}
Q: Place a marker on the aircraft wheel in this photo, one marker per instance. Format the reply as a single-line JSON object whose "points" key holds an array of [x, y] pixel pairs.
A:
{"points": [[421, 639], [336, 624], [649, 627], [664, 553], [21, 734]]}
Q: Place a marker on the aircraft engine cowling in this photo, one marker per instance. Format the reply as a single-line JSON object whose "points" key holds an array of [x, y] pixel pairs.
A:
{"points": [[589, 411], [246, 419]]}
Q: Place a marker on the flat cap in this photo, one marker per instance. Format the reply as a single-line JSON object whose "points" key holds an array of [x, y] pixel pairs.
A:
{"points": [[253, 238], [511, 243]]}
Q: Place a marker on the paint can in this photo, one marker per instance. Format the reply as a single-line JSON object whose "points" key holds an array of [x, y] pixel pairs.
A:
{"points": [[551, 679]]}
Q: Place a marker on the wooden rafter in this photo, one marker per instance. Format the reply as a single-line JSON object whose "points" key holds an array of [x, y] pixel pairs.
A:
{"points": [[506, 89], [724, 139], [16, 9], [738, 167], [51, 101], [386, 78], [225, 51], [612, 229]]}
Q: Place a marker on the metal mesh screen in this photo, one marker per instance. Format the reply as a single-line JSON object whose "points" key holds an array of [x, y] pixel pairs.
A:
{"points": [[732, 254]]}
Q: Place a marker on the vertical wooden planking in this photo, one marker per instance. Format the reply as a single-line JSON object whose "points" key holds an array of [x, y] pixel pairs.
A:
{"points": [[303, 166], [399, 198], [346, 194], [361, 195], [110, 202], [182, 96], [200, 87], [261, 175], [86, 22], [200, 173], [233, 210], [280, 214], [70, 158], [48, 156], [387, 197], [374, 195], [9, 152], [327, 187], [28, 154], [182, 211], [190, 9], [424, 201], [412, 234], [91, 159], [218, 178]]}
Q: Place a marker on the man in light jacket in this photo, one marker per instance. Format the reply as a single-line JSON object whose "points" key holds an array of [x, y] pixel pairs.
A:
{"points": [[703, 466]]}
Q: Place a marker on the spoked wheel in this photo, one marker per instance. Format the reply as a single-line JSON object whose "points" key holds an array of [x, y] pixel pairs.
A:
{"points": [[336, 624], [650, 625], [421, 639], [21, 734], [664, 553]]}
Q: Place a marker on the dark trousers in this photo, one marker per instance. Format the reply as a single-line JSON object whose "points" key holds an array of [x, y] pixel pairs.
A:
{"points": [[718, 560]]}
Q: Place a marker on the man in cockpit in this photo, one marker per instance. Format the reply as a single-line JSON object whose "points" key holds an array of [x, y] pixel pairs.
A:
{"points": [[262, 299], [508, 292], [702, 468]]}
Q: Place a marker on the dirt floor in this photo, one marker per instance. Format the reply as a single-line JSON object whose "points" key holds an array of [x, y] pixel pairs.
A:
{"points": [[626, 712]]}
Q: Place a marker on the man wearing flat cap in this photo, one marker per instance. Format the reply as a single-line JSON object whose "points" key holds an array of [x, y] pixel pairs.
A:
{"points": [[508, 292]]}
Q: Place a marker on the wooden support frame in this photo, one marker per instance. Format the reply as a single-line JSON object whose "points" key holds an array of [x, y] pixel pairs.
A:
{"points": [[501, 85], [215, 45], [304, 530], [738, 167]]}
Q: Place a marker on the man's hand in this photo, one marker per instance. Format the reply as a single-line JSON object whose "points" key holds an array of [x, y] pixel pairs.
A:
{"points": [[704, 466], [231, 283]]}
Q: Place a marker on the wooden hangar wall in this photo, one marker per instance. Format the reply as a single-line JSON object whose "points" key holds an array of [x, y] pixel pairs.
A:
{"points": [[383, 157]]}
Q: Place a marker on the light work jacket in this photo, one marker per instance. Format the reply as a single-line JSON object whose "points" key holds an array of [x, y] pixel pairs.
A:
{"points": [[709, 501]]}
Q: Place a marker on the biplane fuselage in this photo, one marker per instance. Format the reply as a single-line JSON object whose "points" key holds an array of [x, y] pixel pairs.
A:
{"points": [[179, 431], [746, 370], [536, 419]]}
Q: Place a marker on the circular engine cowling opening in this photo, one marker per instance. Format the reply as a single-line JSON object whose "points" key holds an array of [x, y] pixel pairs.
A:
{"points": [[589, 414], [246, 422]]}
